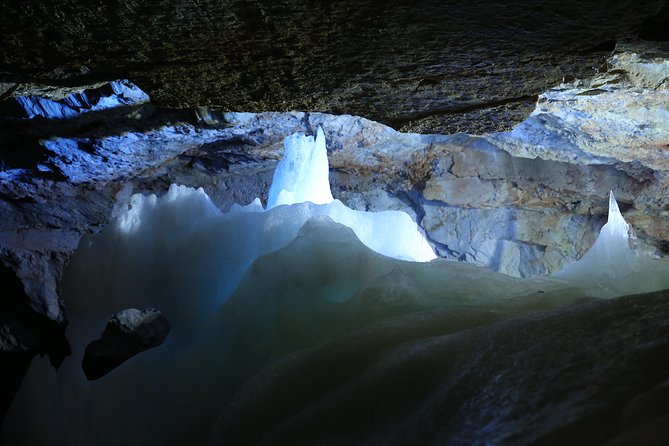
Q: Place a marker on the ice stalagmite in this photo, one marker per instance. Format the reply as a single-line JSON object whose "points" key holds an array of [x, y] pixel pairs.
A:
{"points": [[611, 253], [611, 267], [608, 257], [302, 175]]}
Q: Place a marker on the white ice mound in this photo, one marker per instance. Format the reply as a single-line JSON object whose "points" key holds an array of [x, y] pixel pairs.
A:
{"points": [[303, 173], [323, 285], [163, 250]]}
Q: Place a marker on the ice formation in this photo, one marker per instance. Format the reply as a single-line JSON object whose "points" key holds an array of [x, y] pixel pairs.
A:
{"points": [[303, 173], [244, 289], [611, 267]]}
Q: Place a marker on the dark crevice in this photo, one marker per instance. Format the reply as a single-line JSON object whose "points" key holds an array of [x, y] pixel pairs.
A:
{"points": [[413, 199], [100, 123], [8, 92], [22, 147], [31, 332], [606, 46], [13, 367], [656, 28], [309, 130], [401, 121]]}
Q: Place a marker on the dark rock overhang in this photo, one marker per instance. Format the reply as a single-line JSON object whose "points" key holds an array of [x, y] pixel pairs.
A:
{"points": [[428, 66]]}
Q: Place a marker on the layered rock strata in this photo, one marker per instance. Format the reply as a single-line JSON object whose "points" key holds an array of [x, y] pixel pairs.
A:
{"points": [[428, 66]]}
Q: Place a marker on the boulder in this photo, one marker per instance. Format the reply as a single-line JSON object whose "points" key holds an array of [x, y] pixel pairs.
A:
{"points": [[128, 333]]}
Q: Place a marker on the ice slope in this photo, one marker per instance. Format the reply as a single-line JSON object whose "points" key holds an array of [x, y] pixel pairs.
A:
{"points": [[251, 287]]}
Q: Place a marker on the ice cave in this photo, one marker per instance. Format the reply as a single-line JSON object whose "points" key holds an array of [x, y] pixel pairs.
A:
{"points": [[232, 223]]}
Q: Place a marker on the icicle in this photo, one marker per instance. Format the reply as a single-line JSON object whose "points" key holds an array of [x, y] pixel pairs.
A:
{"points": [[616, 226]]}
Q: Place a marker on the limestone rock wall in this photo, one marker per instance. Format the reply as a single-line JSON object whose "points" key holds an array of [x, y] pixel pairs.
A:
{"points": [[427, 66]]}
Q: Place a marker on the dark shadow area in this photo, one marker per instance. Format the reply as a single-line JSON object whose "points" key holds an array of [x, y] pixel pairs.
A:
{"points": [[12, 368], [20, 151], [23, 334], [656, 28], [586, 374], [98, 123], [20, 146], [221, 155]]}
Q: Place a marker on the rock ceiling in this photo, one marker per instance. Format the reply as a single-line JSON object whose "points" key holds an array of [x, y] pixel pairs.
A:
{"points": [[429, 66]]}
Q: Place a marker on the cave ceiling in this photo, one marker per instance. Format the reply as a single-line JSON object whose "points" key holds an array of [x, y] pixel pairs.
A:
{"points": [[427, 66]]}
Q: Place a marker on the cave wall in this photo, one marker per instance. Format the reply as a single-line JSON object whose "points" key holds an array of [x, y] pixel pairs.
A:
{"points": [[428, 66]]}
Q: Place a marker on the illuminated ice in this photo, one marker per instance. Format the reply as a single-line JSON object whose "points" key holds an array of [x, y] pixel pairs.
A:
{"points": [[611, 267], [610, 253], [303, 173], [322, 285], [156, 235], [246, 288], [303, 176]]}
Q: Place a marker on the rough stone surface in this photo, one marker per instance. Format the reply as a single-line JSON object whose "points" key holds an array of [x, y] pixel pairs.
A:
{"points": [[23, 332], [428, 66], [571, 376], [617, 116], [30, 101], [128, 333]]}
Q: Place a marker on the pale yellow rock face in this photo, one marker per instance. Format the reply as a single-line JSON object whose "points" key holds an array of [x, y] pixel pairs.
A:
{"points": [[464, 192], [642, 67], [621, 115]]}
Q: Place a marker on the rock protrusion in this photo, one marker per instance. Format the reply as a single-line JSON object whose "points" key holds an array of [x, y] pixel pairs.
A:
{"points": [[127, 333]]}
